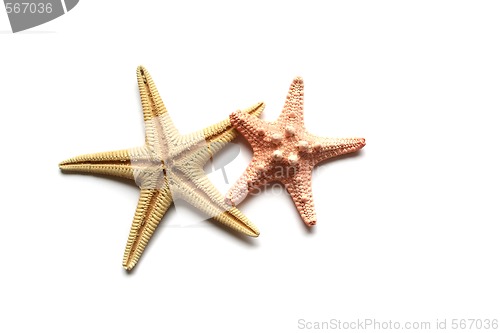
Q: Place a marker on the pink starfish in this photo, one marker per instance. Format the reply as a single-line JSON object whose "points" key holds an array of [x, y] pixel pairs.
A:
{"points": [[284, 151]]}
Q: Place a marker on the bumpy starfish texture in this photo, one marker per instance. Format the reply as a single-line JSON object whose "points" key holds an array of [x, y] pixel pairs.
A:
{"points": [[169, 166], [284, 151]]}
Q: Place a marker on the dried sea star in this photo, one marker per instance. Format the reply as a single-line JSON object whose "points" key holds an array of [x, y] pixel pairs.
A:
{"points": [[284, 151], [167, 167]]}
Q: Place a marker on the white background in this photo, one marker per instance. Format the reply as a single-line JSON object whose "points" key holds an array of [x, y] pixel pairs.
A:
{"points": [[407, 230]]}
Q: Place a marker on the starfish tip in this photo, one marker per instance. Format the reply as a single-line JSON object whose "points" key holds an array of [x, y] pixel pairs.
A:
{"points": [[63, 165], [235, 117], [128, 264], [361, 143], [311, 223], [253, 232], [298, 79], [257, 109]]}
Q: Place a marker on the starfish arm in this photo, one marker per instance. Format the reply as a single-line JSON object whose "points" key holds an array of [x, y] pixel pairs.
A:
{"points": [[325, 148], [155, 114], [114, 163], [153, 204], [252, 128], [234, 219], [218, 135], [204, 144], [255, 175], [223, 131], [203, 196], [300, 189], [293, 110]]}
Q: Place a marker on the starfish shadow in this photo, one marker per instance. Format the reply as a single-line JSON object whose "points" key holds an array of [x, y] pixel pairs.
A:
{"points": [[310, 230], [247, 240]]}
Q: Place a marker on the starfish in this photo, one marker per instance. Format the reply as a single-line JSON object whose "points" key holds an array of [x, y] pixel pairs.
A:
{"points": [[285, 152], [169, 166]]}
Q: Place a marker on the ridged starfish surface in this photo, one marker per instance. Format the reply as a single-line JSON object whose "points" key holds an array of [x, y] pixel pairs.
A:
{"points": [[169, 166], [284, 151]]}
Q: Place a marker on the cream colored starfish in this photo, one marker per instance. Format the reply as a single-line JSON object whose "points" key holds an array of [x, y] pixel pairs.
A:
{"points": [[284, 151], [169, 166]]}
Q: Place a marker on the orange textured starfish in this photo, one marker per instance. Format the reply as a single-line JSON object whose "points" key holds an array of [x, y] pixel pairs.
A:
{"points": [[284, 151]]}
